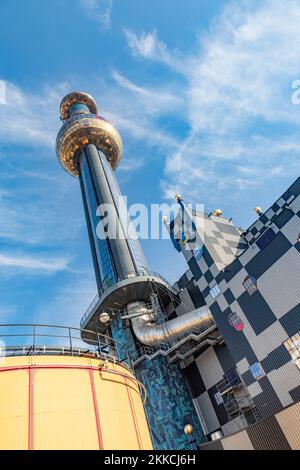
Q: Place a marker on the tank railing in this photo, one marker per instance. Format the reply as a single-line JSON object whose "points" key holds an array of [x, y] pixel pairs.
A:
{"points": [[17, 340], [123, 277]]}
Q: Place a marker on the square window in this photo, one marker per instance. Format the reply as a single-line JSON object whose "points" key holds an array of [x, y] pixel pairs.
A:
{"points": [[218, 398], [257, 370], [293, 347], [250, 284], [215, 291]]}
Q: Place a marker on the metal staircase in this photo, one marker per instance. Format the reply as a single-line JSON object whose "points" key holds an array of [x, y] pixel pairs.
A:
{"points": [[183, 346]]}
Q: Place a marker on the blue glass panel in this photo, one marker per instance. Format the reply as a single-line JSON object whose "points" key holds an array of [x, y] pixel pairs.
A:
{"points": [[134, 244], [102, 247], [79, 108]]}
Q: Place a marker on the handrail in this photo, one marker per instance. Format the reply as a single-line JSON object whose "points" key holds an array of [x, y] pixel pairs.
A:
{"points": [[123, 277], [39, 341]]}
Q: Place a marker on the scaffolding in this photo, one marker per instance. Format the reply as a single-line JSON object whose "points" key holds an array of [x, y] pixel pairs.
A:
{"points": [[237, 401]]}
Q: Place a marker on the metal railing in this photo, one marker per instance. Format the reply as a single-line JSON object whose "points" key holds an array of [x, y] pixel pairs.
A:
{"points": [[123, 277], [174, 347], [38, 339]]}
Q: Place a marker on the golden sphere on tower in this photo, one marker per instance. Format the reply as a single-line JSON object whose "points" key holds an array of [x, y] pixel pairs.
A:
{"points": [[188, 429]]}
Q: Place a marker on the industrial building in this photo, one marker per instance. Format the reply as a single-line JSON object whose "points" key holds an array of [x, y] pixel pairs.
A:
{"points": [[224, 340], [216, 356]]}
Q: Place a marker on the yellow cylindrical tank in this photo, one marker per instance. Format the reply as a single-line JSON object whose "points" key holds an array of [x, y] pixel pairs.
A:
{"points": [[66, 402]]}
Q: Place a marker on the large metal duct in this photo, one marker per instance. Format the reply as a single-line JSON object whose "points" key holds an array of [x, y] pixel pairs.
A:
{"points": [[151, 334]]}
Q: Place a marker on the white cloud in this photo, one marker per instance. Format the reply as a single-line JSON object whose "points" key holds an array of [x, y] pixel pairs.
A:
{"points": [[99, 10], [30, 118], [136, 110], [156, 101], [148, 46], [33, 263], [245, 67], [244, 127], [35, 195]]}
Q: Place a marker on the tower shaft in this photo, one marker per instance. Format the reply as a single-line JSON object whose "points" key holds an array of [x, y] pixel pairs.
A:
{"points": [[89, 147], [114, 256]]}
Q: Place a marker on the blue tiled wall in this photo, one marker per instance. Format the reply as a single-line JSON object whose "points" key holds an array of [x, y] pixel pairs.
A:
{"points": [[169, 406]]}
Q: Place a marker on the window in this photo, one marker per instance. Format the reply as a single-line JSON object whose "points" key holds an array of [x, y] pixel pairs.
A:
{"points": [[257, 370], [293, 347], [215, 291], [216, 435], [235, 321], [218, 398], [250, 284], [197, 252]]}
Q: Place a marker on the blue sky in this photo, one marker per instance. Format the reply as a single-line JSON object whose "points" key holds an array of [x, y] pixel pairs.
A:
{"points": [[200, 91]]}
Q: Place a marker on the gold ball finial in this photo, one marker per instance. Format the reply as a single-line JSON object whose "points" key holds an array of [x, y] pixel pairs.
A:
{"points": [[217, 213], [178, 197], [258, 210], [188, 429]]}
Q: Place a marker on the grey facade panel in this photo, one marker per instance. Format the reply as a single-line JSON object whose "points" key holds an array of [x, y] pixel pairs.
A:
{"points": [[295, 188], [208, 276], [194, 267], [265, 258], [213, 445], [226, 228], [194, 379], [275, 359], [207, 257], [201, 351], [231, 270], [265, 239], [248, 378], [229, 296], [267, 402], [291, 321], [295, 393], [263, 218], [283, 218], [195, 294], [224, 356], [183, 281], [267, 435], [205, 292]]}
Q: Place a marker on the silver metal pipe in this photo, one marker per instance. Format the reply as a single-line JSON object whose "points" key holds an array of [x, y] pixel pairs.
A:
{"points": [[151, 334]]}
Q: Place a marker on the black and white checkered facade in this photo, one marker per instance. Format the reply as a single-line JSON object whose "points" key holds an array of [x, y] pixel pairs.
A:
{"points": [[206, 368], [268, 252]]}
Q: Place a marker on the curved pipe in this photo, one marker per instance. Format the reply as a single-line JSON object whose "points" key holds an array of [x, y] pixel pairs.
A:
{"points": [[151, 334]]}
